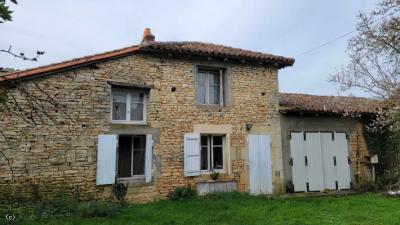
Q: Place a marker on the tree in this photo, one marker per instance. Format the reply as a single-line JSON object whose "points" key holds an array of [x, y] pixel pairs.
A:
{"points": [[374, 67], [374, 53], [5, 12]]}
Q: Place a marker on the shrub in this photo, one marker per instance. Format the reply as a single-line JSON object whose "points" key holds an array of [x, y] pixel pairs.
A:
{"points": [[289, 187], [214, 175], [98, 209], [366, 186], [181, 193], [119, 191], [388, 181]]}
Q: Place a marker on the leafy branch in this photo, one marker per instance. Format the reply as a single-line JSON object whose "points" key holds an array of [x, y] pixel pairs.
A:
{"points": [[5, 12]]}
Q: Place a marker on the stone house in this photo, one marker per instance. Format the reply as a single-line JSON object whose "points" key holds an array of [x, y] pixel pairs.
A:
{"points": [[157, 116]]}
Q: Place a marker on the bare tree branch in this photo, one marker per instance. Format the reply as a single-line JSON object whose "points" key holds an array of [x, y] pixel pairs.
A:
{"points": [[22, 55]]}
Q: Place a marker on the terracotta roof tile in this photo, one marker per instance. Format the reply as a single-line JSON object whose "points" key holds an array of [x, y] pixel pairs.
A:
{"points": [[209, 49], [332, 104]]}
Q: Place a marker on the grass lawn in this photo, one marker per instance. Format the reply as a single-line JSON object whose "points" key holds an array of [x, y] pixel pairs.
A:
{"points": [[238, 208]]}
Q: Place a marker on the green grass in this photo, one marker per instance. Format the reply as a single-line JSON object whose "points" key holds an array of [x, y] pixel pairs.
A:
{"points": [[238, 208]]}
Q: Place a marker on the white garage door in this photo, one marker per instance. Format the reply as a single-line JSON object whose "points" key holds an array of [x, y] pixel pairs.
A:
{"points": [[319, 161]]}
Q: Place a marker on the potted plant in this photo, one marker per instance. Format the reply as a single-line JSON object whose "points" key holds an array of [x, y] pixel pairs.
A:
{"points": [[214, 175]]}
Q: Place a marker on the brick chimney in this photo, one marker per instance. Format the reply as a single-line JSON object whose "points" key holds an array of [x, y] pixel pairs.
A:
{"points": [[148, 37]]}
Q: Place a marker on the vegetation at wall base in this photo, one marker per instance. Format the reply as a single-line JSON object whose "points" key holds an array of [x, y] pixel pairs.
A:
{"points": [[228, 208]]}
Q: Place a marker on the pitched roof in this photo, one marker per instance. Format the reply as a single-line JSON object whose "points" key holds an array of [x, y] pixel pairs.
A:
{"points": [[209, 49], [68, 64], [327, 104], [187, 48]]}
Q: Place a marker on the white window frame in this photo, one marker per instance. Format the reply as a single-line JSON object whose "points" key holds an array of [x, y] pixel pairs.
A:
{"points": [[128, 107], [132, 177], [210, 155], [207, 87]]}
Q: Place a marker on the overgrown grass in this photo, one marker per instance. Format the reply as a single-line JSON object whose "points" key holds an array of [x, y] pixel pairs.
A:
{"points": [[59, 208], [235, 208]]}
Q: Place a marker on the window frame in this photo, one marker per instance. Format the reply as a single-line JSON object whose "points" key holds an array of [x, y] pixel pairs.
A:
{"points": [[132, 177], [208, 72], [210, 152], [128, 106]]}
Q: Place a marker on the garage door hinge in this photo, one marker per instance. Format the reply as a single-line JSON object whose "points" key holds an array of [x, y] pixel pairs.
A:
{"points": [[305, 160], [291, 162], [290, 136], [348, 159]]}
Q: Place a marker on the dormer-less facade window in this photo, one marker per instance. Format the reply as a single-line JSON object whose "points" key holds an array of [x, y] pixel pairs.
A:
{"points": [[128, 106], [210, 87]]}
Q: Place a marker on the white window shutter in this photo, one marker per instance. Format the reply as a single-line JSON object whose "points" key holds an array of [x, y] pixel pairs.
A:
{"points": [[106, 158], [192, 154], [149, 157]]}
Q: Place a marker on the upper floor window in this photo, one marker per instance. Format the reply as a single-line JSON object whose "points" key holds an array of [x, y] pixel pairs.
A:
{"points": [[128, 106], [210, 87]]}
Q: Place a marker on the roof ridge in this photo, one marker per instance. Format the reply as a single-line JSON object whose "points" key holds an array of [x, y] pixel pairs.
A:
{"points": [[334, 96]]}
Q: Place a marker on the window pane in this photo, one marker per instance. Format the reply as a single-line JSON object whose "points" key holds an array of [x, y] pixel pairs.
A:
{"points": [[217, 158], [119, 96], [137, 111], [217, 140], [214, 92], [204, 158], [139, 142], [139, 149], [138, 162], [119, 111], [118, 105], [137, 97], [204, 140], [201, 88], [215, 79], [124, 156]]}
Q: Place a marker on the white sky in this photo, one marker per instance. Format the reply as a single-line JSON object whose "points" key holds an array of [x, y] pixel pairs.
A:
{"points": [[74, 28]]}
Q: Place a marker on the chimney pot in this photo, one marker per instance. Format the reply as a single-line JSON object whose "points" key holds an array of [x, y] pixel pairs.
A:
{"points": [[148, 37]]}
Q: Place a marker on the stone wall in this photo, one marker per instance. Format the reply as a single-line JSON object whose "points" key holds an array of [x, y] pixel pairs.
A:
{"points": [[60, 154]]}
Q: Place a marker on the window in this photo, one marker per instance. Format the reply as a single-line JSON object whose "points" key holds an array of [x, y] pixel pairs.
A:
{"points": [[131, 156], [128, 106], [209, 87], [211, 152]]}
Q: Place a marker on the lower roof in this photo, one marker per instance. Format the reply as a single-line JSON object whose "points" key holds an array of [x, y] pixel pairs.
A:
{"points": [[290, 102]]}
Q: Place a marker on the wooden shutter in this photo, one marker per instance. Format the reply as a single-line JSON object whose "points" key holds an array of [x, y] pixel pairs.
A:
{"points": [[192, 154], [149, 157], [106, 158]]}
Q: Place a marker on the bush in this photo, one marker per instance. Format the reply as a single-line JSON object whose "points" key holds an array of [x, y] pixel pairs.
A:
{"points": [[289, 187], [388, 182], [181, 193], [367, 186], [98, 209], [214, 175], [119, 191]]}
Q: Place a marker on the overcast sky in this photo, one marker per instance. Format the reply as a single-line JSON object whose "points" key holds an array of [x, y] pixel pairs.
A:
{"points": [[74, 28]]}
